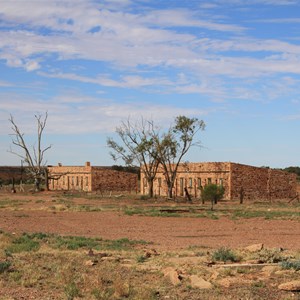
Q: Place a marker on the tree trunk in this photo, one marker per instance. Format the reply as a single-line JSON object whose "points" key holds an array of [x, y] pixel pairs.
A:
{"points": [[150, 190], [170, 192], [37, 182], [47, 179]]}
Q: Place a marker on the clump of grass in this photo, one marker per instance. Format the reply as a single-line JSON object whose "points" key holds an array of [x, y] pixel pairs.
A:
{"points": [[122, 244], [71, 291], [269, 256], [75, 242], [289, 265], [141, 258], [268, 215], [4, 266], [224, 254], [24, 243]]}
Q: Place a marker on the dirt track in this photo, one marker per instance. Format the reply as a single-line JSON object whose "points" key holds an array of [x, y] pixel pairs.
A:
{"points": [[166, 233]]}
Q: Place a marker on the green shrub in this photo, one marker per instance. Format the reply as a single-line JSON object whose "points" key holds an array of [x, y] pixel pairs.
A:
{"points": [[212, 193], [288, 265], [4, 265], [224, 254], [269, 256]]}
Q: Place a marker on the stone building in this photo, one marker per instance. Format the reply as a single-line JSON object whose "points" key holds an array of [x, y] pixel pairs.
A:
{"points": [[91, 178], [253, 182]]}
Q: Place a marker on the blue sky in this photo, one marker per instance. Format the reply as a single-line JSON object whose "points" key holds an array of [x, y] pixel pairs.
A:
{"points": [[92, 64]]}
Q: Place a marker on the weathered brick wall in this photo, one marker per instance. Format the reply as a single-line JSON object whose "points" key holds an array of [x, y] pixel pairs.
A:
{"points": [[282, 184], [88, 178], [8, 173], [70, 178], [191, 176], [257, 183], [253, 180], [104, 179], [261, 183]]}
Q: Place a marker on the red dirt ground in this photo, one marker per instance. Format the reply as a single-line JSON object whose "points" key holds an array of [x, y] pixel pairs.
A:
{"points": [[170, 233]]}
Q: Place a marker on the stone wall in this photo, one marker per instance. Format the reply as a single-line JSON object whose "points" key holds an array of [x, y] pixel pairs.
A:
{"points": [[261, 183], [104, 179], [70, 178], [252, 182], [192, 176], [89, 178]]}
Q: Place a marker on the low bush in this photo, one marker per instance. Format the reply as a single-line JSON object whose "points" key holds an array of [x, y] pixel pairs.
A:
{"points": [[4, 266], [224, 254], [289, 265]]}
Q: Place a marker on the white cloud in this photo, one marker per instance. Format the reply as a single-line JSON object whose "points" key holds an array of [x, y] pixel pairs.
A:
{"points": [[128, 81], [31, 66], [79, 114], [130, 42]]}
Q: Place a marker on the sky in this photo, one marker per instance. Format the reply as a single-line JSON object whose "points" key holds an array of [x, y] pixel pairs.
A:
{"points": [[235, 64]]}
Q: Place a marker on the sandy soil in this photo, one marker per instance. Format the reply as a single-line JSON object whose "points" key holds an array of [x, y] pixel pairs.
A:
{"points": [[170, 233]]}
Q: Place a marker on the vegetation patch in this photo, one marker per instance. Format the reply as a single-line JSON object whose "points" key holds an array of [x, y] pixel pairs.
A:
{"points": [[290, 265], [4, 266], [224, 254], [269, 256], [24, 243]]}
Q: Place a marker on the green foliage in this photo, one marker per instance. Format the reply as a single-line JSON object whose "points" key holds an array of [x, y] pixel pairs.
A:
{"points": [[122, 244], [213, 193], [295, 170], [71, 291], [25, 243], [4, 266], [75, 242], [291, 265], [269, 256], [224, 254]]}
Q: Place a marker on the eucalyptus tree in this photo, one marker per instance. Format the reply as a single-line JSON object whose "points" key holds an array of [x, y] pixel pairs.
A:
{"points": [[171, 146], [137, 147]]}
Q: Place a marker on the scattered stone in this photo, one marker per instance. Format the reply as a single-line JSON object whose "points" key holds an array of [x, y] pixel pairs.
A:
{"points": [[91, 252], [122, 291], [172, 275], [292, 286], [228, 282], [199, 282], [214, 275], [150, 252], [91, 262], [268, 270], [225, 282], [255, 247], [284, 272]]}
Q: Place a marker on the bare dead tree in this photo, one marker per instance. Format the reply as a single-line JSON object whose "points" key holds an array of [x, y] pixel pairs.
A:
{"points": [[33, 158]]}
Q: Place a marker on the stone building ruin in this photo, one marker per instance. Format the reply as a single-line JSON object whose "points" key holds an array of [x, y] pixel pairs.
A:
{"points": [[253, 182], [90, 178]]}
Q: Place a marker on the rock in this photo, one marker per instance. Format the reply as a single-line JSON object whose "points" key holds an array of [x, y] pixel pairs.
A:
{"points": [[228, 282], [268, 270], [290, 286], [172, 275], [255, 247], [91, 262], [214, 275], [199, 282], [122, 291], [225, 282]]}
